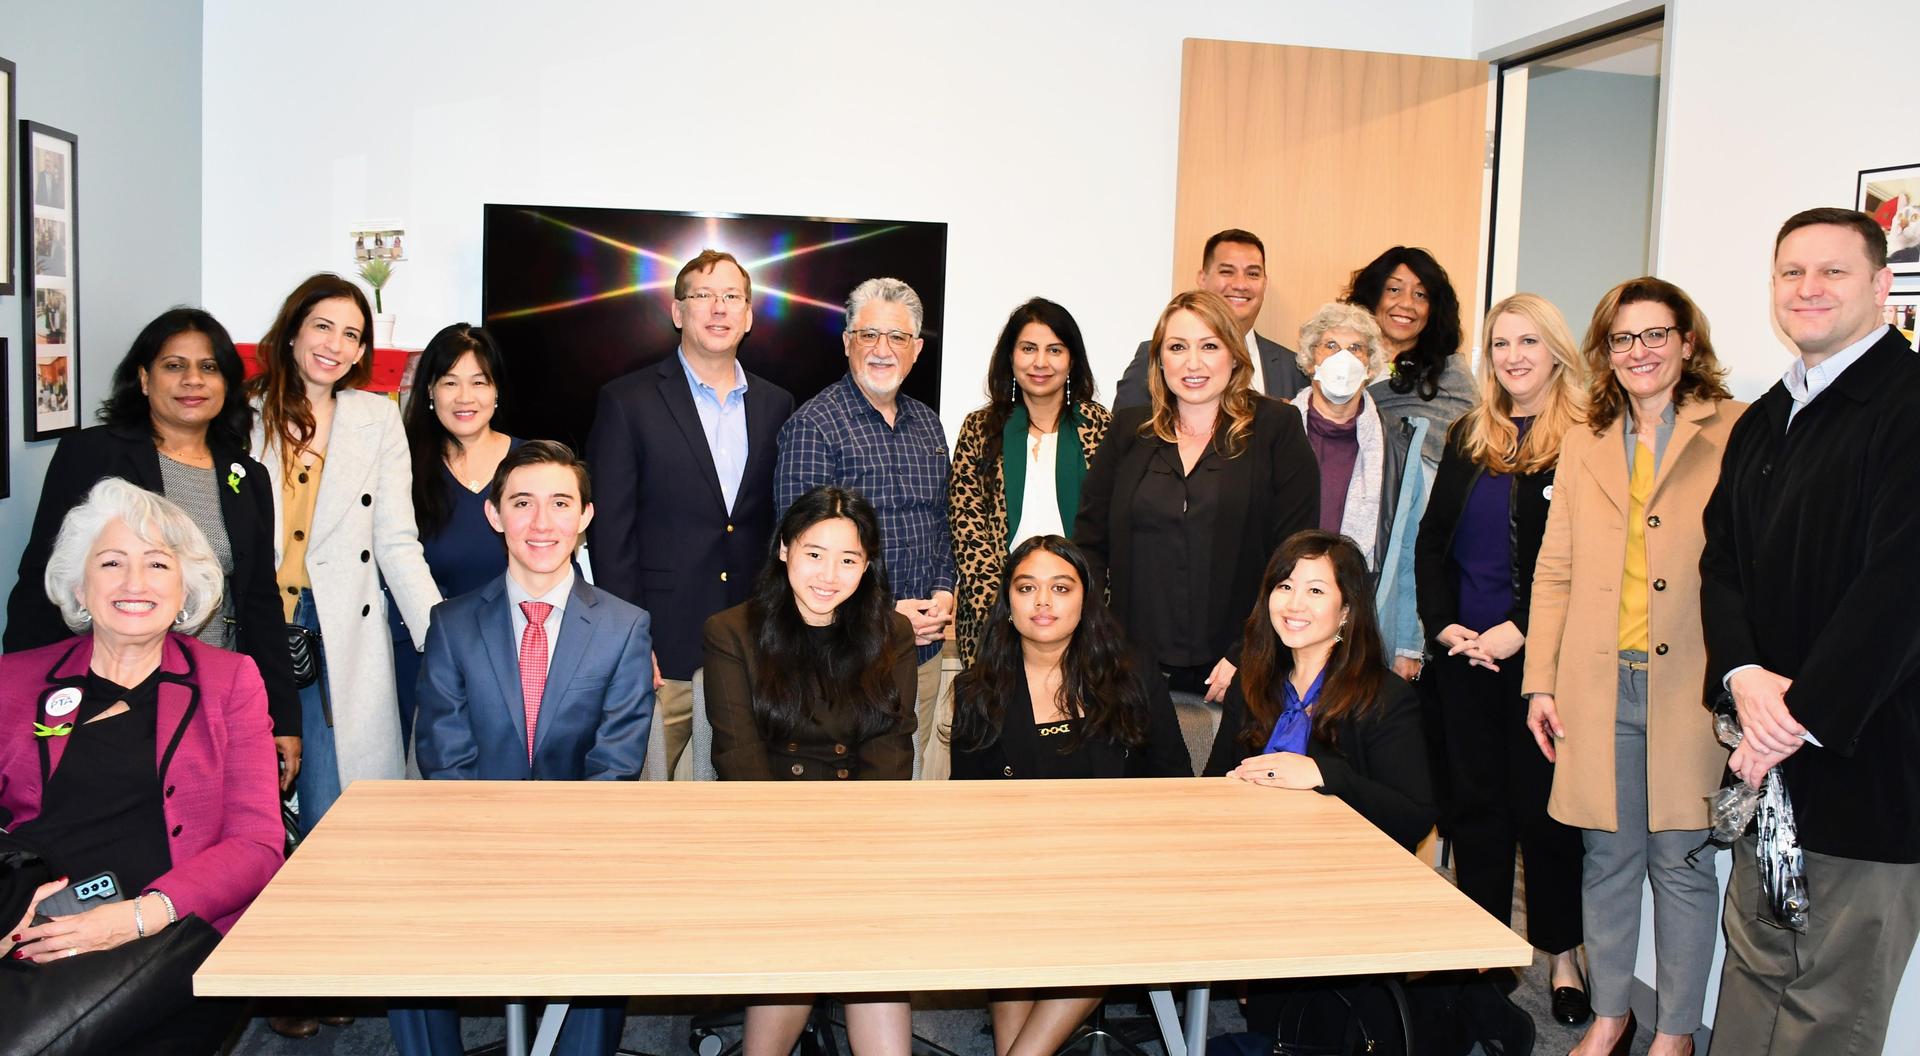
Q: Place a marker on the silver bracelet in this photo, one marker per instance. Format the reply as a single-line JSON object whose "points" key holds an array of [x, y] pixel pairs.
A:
{"points": [[139, 921], [172, 917]]}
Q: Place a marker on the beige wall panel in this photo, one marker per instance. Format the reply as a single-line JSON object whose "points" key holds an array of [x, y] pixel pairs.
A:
{"points": [[1330, 157]]}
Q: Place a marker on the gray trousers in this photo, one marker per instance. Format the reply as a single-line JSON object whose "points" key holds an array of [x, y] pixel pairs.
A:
{"points": [[1831, 990], [1686, 895]]}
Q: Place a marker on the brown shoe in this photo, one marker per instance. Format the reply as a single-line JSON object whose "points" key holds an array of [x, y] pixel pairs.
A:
{"points": [[294, 1026], [337, 1021]]}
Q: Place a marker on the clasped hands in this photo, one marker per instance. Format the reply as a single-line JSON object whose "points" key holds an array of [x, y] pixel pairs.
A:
{"points": [[929, 616], [1769, 731], [100, 928], [1485, 649]]}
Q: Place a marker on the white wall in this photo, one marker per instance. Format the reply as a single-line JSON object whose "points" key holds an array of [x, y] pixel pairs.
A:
{"points": [[1044, 134], [124, 77]]}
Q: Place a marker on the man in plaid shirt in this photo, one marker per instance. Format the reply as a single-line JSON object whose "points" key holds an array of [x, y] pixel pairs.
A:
{"points": [[862, 433]]}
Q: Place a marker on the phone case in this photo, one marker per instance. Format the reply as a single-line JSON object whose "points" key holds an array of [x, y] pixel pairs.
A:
{"points": [[78, 897]]}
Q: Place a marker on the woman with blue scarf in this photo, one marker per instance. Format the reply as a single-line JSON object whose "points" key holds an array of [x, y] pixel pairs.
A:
{"points": [[1314, 705]]}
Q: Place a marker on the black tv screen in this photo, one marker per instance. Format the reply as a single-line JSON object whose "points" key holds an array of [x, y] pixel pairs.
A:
{"points": [[577, 297]]}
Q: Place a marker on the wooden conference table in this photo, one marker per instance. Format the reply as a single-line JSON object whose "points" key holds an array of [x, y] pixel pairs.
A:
{"points": [[574, 889]]}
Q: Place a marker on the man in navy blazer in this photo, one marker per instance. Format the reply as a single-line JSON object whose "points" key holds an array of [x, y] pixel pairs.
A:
{"points": [[537, 650], [683, 451]]}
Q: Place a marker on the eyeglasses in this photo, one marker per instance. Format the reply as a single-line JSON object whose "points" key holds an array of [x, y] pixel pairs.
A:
{"points": [[706, 298], [1652, 337], [1331, 347], [870, 337]]}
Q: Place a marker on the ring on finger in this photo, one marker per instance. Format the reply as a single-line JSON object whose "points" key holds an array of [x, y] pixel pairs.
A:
{"points": [[1270, 774]]}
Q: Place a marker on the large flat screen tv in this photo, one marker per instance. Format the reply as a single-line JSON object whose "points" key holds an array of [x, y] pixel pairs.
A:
{"points": [[577, 297]]}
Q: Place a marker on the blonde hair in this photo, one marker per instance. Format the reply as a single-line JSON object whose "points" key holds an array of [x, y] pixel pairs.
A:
{"points": [[1237, 404], [1487, 433], [1340, 315]]}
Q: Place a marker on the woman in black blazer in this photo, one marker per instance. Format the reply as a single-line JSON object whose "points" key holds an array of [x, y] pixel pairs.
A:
{"points": [[1315, 705], [1101, 714], [1189, 496], [176, 424]]}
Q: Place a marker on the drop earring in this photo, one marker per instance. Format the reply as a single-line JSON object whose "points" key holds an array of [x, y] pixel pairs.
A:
{"points": [[1069, 392], [1014, 396], [1337, 636]]}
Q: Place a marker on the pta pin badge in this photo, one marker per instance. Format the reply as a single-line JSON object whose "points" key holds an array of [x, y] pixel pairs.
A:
{"points": [[63, 703]]}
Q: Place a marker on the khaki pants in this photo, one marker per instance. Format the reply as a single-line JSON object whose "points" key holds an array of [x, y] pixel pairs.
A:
{"points": [[674, 701], [934, 710], [1831, 990]]}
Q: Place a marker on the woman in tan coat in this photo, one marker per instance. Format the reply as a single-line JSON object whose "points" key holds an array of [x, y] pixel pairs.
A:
{"points": [[1617, 665]]}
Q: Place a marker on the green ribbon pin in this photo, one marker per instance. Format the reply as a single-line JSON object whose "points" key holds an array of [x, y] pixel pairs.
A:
{"points": [[52, 731], [234, 473]]}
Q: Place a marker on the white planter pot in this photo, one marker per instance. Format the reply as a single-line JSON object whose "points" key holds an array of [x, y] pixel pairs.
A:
{"points": [[383, 330]]}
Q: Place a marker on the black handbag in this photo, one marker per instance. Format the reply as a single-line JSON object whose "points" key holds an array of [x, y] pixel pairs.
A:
{"points": [[94, 1002]]}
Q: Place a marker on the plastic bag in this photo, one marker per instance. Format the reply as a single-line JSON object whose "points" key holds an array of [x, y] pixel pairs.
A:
{"points": [[1783, 876]]}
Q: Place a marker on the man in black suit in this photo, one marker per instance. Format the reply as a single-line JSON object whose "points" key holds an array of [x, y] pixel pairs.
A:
{"points": [[1807, 578], [1233, 265], [683, 453]]}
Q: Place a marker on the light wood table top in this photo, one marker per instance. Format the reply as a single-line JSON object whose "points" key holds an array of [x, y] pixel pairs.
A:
{"points": [[556, 889]]}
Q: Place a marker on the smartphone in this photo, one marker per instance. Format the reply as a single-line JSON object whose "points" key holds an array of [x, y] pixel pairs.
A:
{"points": [[78, 897]]}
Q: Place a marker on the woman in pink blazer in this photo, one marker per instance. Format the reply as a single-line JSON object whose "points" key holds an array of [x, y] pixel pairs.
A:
{"points": [[133, 748]]}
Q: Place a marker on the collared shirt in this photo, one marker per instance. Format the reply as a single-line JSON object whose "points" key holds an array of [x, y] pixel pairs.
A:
{"points": [[1259, 383], [557, 597], [723, 418], [1805, 383], [838, 437]]}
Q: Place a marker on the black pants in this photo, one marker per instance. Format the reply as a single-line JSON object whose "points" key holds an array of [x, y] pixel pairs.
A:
{"points": [[1500, 787]]}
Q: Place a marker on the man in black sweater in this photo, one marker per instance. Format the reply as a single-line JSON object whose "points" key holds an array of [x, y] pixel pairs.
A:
{"points": [[1808, 577]]}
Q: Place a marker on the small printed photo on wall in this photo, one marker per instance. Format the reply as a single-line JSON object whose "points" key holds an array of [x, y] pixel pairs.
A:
{"points": [[1891, 196]]}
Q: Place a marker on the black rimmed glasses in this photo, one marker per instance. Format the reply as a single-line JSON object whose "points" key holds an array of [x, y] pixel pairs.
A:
{"points": [[1652, 337], [709, 298], [897, 340]]}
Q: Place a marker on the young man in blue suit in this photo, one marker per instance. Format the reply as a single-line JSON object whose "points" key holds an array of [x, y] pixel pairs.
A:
{"points": [[536, 676]]}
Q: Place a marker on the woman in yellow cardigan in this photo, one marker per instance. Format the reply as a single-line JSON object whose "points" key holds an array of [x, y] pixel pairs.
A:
{"points": [[1616, 663]]}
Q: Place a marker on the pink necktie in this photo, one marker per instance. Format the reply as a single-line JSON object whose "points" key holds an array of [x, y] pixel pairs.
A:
{"points": [[533, 664]]}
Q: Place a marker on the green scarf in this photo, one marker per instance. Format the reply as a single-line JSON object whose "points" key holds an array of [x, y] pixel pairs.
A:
{"points": [[1069, 468]]}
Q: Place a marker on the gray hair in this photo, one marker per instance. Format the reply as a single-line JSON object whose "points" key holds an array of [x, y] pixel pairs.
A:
{"points": [[158, 522], [1342, 316], [886, 290]]}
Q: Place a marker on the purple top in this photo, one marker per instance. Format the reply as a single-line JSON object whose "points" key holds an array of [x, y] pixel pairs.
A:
{"points": [[1336, 446], [1483, 549]]}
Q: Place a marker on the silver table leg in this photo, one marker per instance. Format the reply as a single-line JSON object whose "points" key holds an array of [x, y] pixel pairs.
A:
{"points": [[551, 1021], [1193, 1040]]}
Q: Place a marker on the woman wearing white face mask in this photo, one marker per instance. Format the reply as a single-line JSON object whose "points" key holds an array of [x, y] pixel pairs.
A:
{"points": [[1370, 479]]}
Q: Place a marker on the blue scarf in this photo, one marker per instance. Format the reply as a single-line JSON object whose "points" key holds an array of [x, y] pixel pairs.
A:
{"points": [[1295, 725]]}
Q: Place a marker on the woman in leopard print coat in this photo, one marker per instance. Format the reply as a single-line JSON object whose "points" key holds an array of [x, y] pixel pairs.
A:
{"points": [[1019, 460]]}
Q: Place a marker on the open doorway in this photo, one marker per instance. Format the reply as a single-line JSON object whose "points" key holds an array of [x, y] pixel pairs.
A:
{"points": [[1576, 164]]}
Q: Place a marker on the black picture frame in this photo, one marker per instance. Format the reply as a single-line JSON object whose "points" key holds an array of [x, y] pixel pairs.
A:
{"points": [[8, 74], [6, 449], [50, 282], [1877, 191]]}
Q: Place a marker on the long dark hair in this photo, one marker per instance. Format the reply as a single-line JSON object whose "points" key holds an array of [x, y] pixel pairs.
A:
{"points": [[798, 674], [284, 413], [1099, 689], [1424, 363], [127, 406], [1354, 671], [1001, 398], [427, 439]]}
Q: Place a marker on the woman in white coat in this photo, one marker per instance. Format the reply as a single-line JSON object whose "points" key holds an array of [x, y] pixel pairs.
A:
{"points": [[343, 518]]}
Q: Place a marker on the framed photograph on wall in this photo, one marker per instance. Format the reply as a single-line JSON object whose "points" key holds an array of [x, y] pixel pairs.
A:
{"points": [[1892, 196], [50, 279], [7, 181], [1902, 312]]}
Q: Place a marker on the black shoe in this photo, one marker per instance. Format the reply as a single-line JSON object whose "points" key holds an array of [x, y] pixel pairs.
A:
{"points": [[1570, 1005]]}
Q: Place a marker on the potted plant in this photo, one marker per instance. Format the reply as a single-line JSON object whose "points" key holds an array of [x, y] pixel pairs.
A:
{"points": [[377, 272]]}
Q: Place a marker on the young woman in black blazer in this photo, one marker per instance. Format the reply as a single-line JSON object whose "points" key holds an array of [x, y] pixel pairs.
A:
{"points": [[1473, 570], [813, 678], [1314, 705], [1189, 495], [1053, 693], [177, 395]]}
